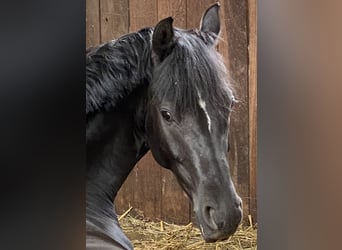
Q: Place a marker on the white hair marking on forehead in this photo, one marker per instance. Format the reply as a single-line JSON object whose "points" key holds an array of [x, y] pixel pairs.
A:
{"points": [[202, 104]]}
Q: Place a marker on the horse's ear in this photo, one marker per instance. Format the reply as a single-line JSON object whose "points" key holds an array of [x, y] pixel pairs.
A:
{"points": [[163, 39], [210, 21]]}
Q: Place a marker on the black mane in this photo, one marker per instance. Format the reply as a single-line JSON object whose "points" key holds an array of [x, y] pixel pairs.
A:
{"points": [[114, 69]]}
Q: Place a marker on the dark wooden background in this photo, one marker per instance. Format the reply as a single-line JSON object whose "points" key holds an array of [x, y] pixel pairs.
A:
{"points": [[150, 188]]}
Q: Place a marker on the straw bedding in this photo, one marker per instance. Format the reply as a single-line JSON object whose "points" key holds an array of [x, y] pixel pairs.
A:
{"points": [[161, 235]]}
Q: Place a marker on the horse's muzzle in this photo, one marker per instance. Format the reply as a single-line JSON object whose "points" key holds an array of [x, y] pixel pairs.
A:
{"points": [[219, 222]]}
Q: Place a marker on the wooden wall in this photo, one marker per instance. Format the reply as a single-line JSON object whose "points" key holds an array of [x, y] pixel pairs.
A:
{"points": [[150, 188]]}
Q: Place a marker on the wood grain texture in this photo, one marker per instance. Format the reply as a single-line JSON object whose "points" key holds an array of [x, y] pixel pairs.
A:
{"points": [[114, 19], [236, 14], [222, 45], [174, 8], [143, 13], [147, 187], [92, 23], [252, 102], [194, 10]]}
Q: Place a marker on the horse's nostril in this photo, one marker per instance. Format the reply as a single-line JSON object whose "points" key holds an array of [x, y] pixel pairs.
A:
{"points": [[210, 212], [209, 216], [212, 219], [238, 203]]}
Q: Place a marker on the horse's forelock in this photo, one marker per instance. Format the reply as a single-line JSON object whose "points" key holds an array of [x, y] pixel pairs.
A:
{"points": [[192, 68]]}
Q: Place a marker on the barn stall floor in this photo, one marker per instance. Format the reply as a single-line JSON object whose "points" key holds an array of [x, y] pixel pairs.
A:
{"points": [[161, 235]]}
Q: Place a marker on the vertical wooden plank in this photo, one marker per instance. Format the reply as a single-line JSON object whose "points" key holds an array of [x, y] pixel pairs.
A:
{"points": [[236, 16], [92, 23], [175, 205], [223, 48], [114, 19], [194, 10], [174, 8], [223, 43], [147, 187], [252, 85], [142, 189], [143, 13], [146, 175]]}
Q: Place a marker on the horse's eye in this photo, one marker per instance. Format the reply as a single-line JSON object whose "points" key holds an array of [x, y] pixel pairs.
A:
{"points": [[166, 115]]}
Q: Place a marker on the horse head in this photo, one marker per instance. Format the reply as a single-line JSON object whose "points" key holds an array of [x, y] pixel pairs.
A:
{"points": [[187, 120]]}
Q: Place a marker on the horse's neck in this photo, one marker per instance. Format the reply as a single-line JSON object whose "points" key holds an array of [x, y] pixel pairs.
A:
{"points": [[114, 145], [117, 80], [111, 158], [115, 142]]}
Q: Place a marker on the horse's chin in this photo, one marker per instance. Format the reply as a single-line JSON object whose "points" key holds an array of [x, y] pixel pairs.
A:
{"points": [[215, 235]]}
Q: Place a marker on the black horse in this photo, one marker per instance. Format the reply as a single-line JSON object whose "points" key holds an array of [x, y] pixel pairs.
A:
{"points": [[166, 90]]}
